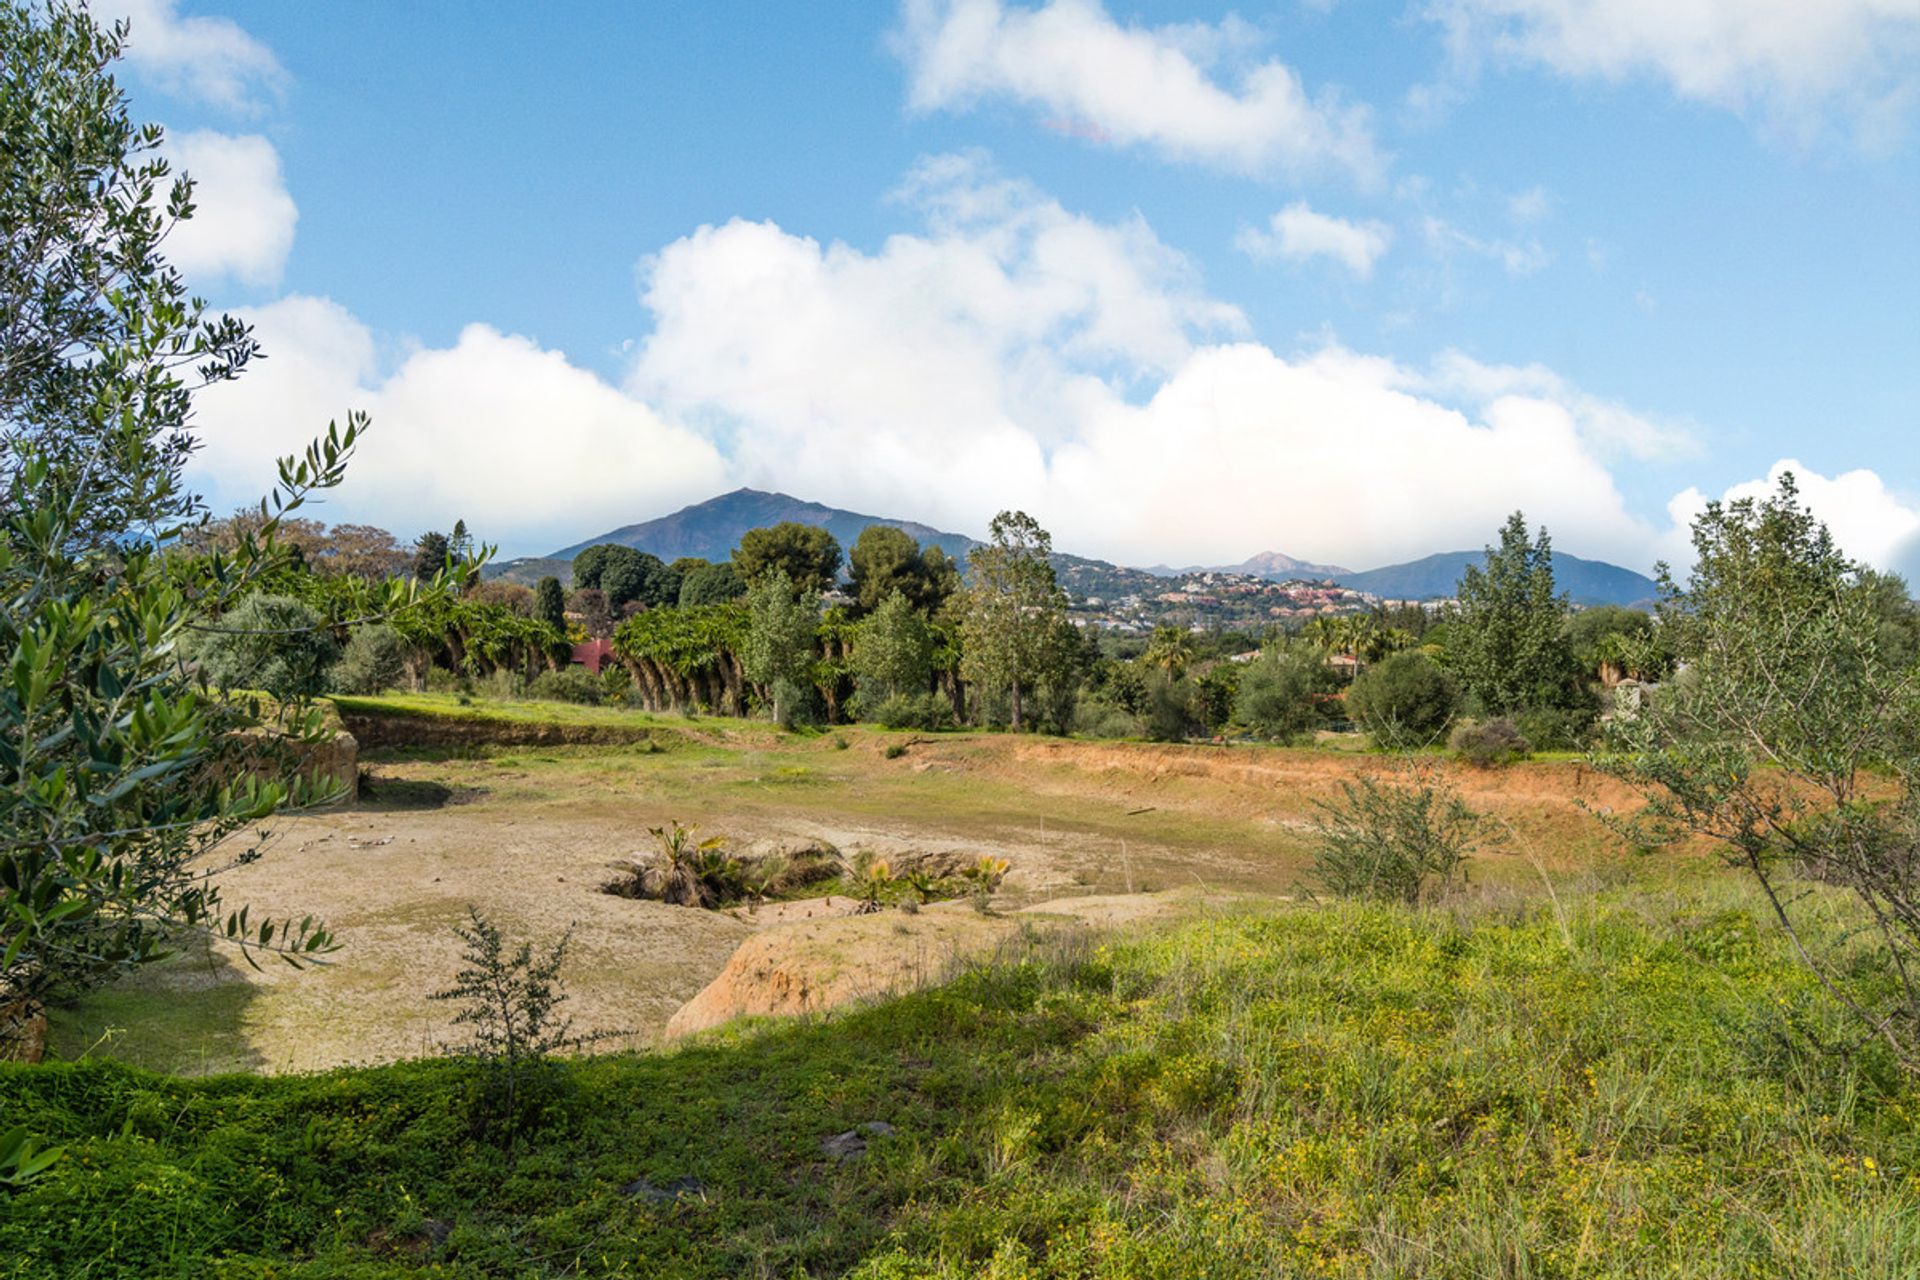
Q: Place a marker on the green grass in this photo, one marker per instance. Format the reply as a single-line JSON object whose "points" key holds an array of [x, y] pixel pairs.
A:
{"points": [[1603, 1090], [447, 706]]}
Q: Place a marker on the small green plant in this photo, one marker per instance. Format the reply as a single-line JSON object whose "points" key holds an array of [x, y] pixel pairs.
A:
{"points": [[22, 1160], [982, 878], [871, 878], [840, 742], [569, 684], [895, 750], [1395, 841], [511, 1000]]}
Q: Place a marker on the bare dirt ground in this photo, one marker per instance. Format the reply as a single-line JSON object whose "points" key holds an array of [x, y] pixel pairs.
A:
{"points": [[527, 835]]}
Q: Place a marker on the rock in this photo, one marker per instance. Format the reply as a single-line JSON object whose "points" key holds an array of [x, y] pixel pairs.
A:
{"points": [[851, 1145], [675, 1191]]}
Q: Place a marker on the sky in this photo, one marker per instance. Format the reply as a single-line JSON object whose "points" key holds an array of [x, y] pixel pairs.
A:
{"points": [[1345, 280]]}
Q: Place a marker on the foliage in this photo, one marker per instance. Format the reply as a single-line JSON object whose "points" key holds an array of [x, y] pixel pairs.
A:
{"points": [[625, 575], [1395, 841], [806, 554], [550, 603], [1352, 1090], [1016, 635], [1284, 692], [432, 555], [569, 684], [1790, 741], [1565, 728], [685, 871], [1507, 643], [1170, 652], [893, 650], [511, 1002], [781, 623], [886, 559], [1169, 715], [273, 644], [684, 641], [923, 711], [120, 779], [373, 660], [1610, 641], [710, 584], [1487, 744], [23, 1159], [1404, 700]]}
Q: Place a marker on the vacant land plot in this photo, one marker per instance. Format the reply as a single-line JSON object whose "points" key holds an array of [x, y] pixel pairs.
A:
{"points": [[529, 834]]}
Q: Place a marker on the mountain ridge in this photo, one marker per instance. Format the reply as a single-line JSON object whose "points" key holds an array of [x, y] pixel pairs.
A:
{"points": [[712, 529]]}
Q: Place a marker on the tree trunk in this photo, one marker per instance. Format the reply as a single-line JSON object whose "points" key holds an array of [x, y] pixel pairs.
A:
{"points": [[1016, 705]]}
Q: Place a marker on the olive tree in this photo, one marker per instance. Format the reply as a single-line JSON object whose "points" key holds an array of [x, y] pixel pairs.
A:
{"points": [[122, 785], [1791, 740]]}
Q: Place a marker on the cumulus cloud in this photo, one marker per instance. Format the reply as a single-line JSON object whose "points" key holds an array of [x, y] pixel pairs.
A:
{"points": [[1792, 61], [1297, 233], [1014, 354], [1869, 521], [1153, 87], [211, 59], [1608, 426], [531, 450], [243, 219]]}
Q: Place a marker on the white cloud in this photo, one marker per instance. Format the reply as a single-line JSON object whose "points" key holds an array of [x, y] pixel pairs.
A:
{"points": [[1130, 85], [1609, 427], [1791, 61], [532, 451], [1297, 233], [212, 59], [243, 219], [1516, 257], [1001, 359], [1529, 206], [1869, 521]]}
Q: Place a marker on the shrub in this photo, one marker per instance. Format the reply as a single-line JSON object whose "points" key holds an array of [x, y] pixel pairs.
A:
{"points": [[1170, 709], [895, 750], [1488, 743], [1283, 693], [1393, 841], [1557, 728], [1096, 717], [510, 1000], [911, 711], [271, 643], [373, 660], [569, 684], [1405, 700]]}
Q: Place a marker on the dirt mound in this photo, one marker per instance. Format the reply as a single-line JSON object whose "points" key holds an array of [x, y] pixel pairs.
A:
{"points": [[813, 965]]}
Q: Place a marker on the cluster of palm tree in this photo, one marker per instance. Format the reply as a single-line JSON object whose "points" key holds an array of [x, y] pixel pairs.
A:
{"points": [[1358, 636]]}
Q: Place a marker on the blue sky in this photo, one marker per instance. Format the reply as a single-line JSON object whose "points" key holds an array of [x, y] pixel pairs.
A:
{"points": [[1341, 279]]}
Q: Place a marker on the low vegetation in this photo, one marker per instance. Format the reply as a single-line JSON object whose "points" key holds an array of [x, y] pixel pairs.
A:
{"points": [[1614, 1089]]}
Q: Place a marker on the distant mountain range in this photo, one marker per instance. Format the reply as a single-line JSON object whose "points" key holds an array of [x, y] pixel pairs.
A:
{"points": [[1436, 577], [712, 529]]}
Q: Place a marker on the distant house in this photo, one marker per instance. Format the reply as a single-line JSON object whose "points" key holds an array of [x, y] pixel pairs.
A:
{"points": [[593, 654]]}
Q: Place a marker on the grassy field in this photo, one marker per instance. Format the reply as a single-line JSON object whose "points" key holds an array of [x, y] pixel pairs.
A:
{"points": [[1602, 1087]]}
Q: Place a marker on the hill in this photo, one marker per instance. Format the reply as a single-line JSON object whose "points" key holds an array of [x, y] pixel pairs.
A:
{"points": [[1271, 565], [712, 529], [1588, 582]]}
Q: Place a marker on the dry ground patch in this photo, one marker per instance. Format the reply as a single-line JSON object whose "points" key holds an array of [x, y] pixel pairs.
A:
{"points": [[526, 834]]}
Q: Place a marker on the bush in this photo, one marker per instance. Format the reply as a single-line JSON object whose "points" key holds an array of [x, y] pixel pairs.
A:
{"points": [[373, 660], [1406, 700], [1170, 709], [1557, 728], [569, 684], [1393, 841], [271, 643], [1488, 743], [1283, 694], [1097, 717], [911, 711]]}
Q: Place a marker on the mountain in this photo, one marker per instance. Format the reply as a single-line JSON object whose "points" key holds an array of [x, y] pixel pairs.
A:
{"points": [[712, 529], [1270, 565], [1588, 582]]}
